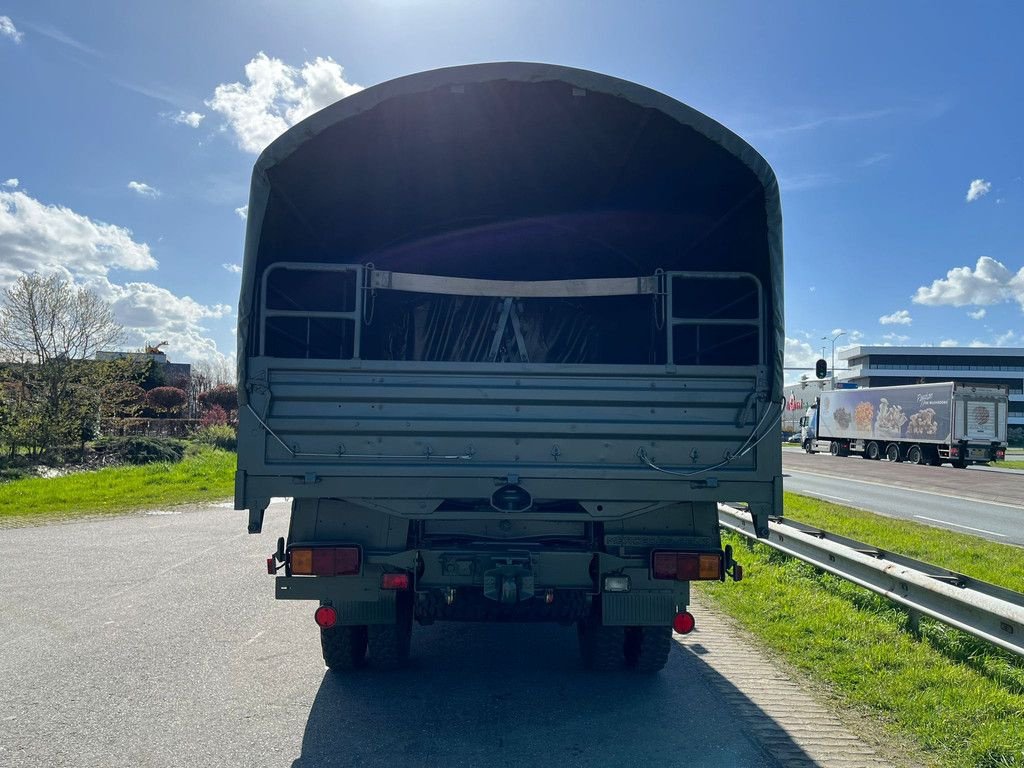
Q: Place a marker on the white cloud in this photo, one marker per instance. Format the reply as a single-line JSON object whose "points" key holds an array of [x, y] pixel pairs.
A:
{"points": [[812, 289], [143, 189], [149, 312], [243, 212], [977, 314], [949, 343], [799, 354], [277, 96], [896, 337], [12, 183], [35, 237], [233, 268], [899, 317], [979, 188], [192, 119], [990, 282], [7, 29]]}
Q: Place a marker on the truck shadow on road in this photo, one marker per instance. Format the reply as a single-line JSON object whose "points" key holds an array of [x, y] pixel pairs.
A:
{"points": [[497, 695]]}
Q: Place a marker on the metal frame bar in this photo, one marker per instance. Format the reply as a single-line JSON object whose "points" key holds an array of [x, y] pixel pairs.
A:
{"points": [[673, 321], [658, 284], [355, 315], [984, 610]]}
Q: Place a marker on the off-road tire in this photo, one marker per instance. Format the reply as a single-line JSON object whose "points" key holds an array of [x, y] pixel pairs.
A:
{"points": [[648, 648], [390, 643], [344, 647], [601, 648]]}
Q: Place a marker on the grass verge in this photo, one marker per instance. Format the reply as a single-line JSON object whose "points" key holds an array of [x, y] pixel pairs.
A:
{"points": [[1010, 464], [201, 477], [960, 699]]}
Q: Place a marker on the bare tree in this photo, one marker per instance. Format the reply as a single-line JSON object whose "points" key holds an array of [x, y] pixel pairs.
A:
{"points": [[44, 318]]}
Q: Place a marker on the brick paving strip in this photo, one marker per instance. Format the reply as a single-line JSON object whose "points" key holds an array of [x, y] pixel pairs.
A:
{"points": [[792, 724]]}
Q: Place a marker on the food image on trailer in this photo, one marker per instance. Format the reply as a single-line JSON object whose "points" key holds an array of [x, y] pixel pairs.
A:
{"points": [[920, 412]]}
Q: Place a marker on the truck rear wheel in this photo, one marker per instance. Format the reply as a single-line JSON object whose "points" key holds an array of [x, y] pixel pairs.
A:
{"points": [[648, 648], [601, 648], [892, 452], [344, 647], [872, 451], [390, 643], [915, 455], [834, 448]]}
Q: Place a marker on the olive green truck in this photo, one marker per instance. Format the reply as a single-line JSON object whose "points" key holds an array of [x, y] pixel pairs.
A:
{"points": [[507, 335]]}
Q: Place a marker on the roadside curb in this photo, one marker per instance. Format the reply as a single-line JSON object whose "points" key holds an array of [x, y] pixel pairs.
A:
{"points": [[775, 705]]}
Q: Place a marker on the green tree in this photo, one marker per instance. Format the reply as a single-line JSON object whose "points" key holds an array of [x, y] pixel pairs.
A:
{"points": [[49, 330]]}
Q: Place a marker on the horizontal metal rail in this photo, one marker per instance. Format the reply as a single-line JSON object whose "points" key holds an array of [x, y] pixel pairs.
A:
{"points": [[981, 609]]}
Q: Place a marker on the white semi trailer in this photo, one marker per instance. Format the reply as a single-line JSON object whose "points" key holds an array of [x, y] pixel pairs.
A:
{"points": [[918, 423]]}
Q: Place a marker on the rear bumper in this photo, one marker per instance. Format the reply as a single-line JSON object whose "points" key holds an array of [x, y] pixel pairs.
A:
{"points": [[489, 586]]}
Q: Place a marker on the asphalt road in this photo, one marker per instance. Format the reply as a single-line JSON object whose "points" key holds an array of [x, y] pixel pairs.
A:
{"points": [[922, 494], [154, 640]]}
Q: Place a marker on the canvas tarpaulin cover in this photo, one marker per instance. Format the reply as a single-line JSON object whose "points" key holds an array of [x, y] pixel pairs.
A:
{"points": [[513, 171]]}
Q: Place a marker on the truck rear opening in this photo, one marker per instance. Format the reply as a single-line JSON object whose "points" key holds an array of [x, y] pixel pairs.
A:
{"points": [[508, 332]]}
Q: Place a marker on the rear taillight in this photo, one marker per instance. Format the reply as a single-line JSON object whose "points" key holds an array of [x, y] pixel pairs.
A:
{"points": [[1000, 454], [684, 623], [954, 452], [394, 581], [687, 566], [324, 561], [325, 617]]}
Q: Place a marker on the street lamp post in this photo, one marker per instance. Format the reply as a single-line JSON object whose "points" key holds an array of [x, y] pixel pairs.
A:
{"points": [[833, 368]]}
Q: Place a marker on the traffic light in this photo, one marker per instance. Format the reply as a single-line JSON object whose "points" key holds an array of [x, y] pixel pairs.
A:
{"points": [[821, 368]]}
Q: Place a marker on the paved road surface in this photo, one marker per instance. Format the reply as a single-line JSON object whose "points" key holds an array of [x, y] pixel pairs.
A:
{"points": [[153, 640], [987, 504]]}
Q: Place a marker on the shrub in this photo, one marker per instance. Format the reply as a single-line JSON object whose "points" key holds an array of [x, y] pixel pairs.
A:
{"points": [[166, 400], [218, 435], [216, 416], [223, 395], [8, 474], [142, 450]]}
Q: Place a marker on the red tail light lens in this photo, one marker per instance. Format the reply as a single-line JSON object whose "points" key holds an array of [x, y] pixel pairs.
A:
{"points": [[324, 561], [394, 581], [684, 623], [1000, 454], [325, 617], [687, 566], [954, 452]]}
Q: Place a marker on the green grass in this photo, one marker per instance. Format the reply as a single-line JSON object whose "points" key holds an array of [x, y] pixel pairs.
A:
{"points": [[959, 699], [201, 477], [1009, 464]]}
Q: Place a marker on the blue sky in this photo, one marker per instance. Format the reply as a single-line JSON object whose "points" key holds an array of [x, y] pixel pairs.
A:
{"points": [[877, 117]]}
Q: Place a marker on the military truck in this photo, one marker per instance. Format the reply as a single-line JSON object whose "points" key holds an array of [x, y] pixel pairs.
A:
{"points": [[507, 334]]}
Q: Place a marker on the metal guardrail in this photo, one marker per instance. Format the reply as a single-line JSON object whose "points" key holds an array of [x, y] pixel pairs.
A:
{"points": [[984, 610]]}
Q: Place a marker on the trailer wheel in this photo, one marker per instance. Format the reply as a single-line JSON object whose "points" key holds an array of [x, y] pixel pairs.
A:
{"points": [[872, 451], [344, 647], [648, 648], [915, 455], [834, 448], [390, 643], [601, 648], [892, 452]]}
